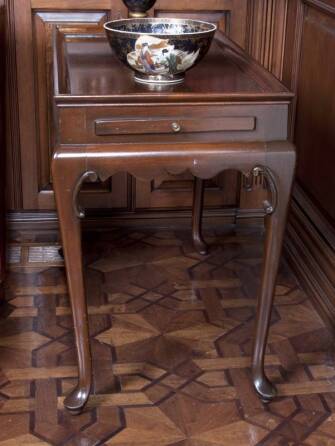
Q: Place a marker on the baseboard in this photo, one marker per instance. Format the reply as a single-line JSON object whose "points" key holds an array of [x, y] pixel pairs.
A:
{"points": [[310, 250], [103, 220]]}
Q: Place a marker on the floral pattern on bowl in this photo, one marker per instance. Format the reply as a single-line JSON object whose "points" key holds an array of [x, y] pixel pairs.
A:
{"points": [[157, 56]]}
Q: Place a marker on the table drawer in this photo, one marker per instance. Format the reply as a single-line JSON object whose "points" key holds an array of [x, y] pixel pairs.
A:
{"points": [[104, 127], [170, 123]]}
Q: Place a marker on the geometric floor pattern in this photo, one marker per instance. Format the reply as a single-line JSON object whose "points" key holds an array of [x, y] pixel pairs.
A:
{"points": [[171, 335]]}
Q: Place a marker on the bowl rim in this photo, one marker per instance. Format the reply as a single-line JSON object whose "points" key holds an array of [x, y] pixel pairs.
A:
{"points": [[162, 20]]}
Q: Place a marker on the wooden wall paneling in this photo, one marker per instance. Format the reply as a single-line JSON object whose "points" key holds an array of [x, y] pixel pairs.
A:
{"points": [[309, 70], [2, 148], [310, 250], [314, 132], [267, 33], [116, 7], [13, 154], [230, 15], [176, 192], [26, 102], [33, 51]]}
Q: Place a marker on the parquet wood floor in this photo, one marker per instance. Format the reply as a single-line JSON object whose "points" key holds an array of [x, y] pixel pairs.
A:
{"points": [[176, 330]]}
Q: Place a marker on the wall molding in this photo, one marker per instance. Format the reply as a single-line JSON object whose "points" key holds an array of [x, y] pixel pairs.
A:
{"points": [[310, 250], [2, 142], [13, 155], [267, 32], [104, 219]]}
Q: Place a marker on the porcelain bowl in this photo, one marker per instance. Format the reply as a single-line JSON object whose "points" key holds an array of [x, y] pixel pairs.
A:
{"points": [[160, 50]]}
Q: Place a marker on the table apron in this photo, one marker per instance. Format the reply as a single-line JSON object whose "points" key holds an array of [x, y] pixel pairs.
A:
{"points": [[89, 124]]}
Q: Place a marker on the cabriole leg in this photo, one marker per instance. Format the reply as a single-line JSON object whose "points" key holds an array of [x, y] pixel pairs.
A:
{"points": [[280, 187], [65, 178], [198, 201]]}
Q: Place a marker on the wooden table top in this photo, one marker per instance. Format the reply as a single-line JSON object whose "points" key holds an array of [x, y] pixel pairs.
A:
{"points": [[225, 74]]}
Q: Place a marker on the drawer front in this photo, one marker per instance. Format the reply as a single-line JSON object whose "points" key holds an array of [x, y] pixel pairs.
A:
{"points": [[92, 124], [112, 127]]}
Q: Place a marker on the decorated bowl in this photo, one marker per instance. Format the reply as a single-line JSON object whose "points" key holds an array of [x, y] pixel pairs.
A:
{"points": [[160, 50]]}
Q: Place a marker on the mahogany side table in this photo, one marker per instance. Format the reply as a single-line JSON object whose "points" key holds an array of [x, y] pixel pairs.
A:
{"points": [[229, 114]]}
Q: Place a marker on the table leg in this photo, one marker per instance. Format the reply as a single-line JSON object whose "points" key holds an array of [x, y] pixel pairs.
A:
{"points": [[65, 179], [198, 201], [275, 227]]}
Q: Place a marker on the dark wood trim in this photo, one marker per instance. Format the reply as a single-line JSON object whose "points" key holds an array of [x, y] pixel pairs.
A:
{"points": [[325, 6], [267, 21], [292, 49], [13, 151], [103, 219], [2, 147], [310, 250]]}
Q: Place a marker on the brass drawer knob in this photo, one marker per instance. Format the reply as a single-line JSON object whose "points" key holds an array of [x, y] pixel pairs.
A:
{"points": [[176, 127]]}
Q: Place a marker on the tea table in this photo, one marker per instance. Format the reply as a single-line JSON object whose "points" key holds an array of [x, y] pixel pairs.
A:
{"points": [[230, 113]]}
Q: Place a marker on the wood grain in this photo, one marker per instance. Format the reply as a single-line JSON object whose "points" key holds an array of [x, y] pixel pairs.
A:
{"points": [[2, 148], [309, 70], [198, 397], [30, 125]]}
